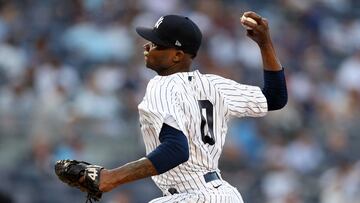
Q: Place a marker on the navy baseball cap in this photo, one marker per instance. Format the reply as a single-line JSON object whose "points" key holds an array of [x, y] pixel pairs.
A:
{"points": [[174, 31]]}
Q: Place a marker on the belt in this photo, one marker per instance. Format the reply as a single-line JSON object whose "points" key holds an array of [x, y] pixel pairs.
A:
{"points": [[210, 176]]}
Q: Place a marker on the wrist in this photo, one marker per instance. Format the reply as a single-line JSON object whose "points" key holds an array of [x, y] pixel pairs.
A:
{"points": [[105, 184], [265, 45]]}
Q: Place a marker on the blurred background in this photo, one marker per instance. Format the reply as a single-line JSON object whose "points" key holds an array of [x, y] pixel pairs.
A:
{"points": [[72, 74]]}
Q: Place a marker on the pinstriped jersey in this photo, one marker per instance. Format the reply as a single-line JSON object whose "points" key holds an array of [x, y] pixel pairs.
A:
{"points": [[199, 105]]}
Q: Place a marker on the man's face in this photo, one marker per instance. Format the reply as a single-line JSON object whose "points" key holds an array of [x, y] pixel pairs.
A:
{"points": [[158, 58]]}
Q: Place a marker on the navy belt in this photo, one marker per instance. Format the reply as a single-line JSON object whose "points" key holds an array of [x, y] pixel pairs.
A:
{"points": [[208, 178], [211, 176]]}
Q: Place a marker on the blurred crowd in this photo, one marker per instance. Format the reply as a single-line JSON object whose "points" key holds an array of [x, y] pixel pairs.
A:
{"points": [[72, 74]]}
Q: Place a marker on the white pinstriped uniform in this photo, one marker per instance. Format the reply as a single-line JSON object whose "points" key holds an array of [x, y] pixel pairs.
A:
{"points": [[185, 101]]}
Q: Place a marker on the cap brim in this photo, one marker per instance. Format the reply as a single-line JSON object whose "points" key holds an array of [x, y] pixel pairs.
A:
{"points": [[150, 35]]}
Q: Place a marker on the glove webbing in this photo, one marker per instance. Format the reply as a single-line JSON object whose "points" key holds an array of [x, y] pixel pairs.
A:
{"points": [[89, 199]]}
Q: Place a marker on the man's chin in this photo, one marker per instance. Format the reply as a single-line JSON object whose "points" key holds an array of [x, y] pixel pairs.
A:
{"points": [[149, 65]]}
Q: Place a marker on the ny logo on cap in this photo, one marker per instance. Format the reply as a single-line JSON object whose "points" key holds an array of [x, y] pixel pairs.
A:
{"points": [[159, 22]]}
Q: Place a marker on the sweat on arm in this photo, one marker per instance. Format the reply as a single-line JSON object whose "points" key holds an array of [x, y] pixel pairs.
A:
{"points": [[275, 89], [173, 150]]}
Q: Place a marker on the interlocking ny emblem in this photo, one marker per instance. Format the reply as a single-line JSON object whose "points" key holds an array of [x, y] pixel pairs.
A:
{"points": [[159, 22]]}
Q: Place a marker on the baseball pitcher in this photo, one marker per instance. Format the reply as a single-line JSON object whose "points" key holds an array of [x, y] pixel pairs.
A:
{"points": [[184, 116]]}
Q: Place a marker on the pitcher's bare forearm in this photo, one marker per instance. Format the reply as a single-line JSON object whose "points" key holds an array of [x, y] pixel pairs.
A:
{"points": [[269, 58], [132, 171]]}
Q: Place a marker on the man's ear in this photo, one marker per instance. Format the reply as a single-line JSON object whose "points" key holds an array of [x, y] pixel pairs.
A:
{"points": [[179, 55]]}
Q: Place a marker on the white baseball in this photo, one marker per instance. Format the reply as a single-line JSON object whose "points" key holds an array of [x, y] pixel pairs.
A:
{"points": [[248, 19]]}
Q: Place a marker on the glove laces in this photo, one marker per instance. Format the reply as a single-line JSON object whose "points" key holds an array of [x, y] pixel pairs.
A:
{"points": [[89, 199]]}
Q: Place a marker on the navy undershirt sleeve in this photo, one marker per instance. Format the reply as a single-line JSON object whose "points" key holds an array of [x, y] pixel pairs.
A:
{"points": [[173, 150], [275, 89]]}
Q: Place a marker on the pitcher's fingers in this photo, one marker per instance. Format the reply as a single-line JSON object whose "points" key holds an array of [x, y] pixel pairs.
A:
{"points": [[254, 16], [249, 24], [265, 22]]}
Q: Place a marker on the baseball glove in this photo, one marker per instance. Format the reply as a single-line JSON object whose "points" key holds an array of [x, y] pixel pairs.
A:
{"points": [[82, 175]]}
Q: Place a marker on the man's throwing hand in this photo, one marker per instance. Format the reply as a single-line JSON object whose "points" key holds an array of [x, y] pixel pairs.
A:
{"points": [[259, 31]]}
